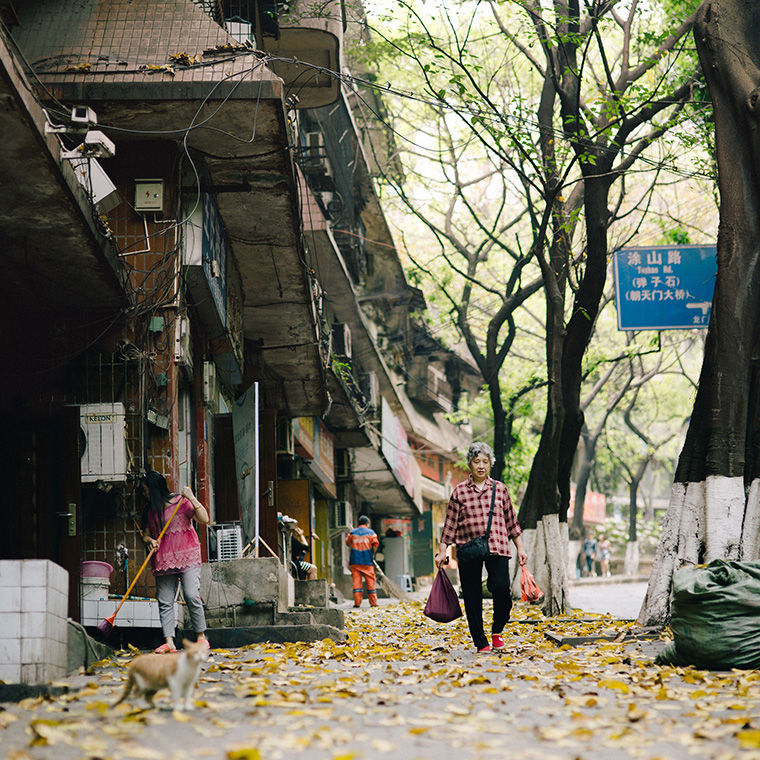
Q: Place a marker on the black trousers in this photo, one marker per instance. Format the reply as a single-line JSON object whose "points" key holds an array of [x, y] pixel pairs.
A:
{"points": [[470, 577]]}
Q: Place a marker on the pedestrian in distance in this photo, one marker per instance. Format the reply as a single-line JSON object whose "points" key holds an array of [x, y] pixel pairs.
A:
{"points": [[589, 552], [363, 542], [604, 551], [467, 517], [178, 555]]}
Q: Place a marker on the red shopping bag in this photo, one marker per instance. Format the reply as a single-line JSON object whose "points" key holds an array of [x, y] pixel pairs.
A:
{"points": [[442, 604], [530, 590]]}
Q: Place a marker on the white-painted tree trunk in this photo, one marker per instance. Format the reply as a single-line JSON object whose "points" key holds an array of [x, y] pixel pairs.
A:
{"points": [[705, 521], [656, 605], [553, 578], [537, 558], [547, 550], [724, 515], [564, 535], [751, 528], [631, 563], [573, 547], [691, 527]]}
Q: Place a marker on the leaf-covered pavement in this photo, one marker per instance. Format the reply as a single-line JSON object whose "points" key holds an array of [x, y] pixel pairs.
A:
{"points": [[405, 687]]}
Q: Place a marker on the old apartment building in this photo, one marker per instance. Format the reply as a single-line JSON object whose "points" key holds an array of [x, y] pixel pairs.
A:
{"points": [[200, 279]]}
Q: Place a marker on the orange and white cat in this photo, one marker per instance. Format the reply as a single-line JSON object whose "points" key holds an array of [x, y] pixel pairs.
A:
{"points": [[178, 672]]}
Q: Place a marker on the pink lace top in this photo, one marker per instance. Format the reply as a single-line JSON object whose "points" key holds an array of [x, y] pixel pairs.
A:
{"points": [[180, 547]]}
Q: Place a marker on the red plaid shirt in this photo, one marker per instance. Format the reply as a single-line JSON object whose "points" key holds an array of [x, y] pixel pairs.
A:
{"points": [[467, 516]]}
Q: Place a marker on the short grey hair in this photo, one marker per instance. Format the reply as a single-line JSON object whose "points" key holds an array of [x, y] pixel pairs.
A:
{"points": [[478, 447]]}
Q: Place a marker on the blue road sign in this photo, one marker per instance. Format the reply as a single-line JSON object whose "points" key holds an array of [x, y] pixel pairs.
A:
{"points": [[666, 287]]}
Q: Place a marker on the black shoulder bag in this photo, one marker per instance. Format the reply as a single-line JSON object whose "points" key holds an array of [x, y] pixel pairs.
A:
{"points": [[477, 548]]}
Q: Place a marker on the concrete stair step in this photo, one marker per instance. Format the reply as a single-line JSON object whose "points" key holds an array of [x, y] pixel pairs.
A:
{"points": [[294, 617], [326, 616], [226, 638]]}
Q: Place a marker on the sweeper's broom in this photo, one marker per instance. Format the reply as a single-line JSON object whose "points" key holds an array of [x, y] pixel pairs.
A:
{"points": [[387, 584], [106, 625]]}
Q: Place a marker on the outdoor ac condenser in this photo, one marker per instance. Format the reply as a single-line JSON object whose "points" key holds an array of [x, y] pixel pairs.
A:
{"points": [[225, 542], [103, 442]]}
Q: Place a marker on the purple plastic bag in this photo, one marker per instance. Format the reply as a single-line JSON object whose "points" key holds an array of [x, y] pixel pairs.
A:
{"points": [[442, 604]]}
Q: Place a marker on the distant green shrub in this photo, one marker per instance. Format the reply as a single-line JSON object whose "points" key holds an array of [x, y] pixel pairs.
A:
{"points": [[616, 530]]}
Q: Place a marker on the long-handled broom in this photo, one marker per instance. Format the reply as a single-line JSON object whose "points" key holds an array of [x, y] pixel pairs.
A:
{"points": [[106, 625], [387, 584]]}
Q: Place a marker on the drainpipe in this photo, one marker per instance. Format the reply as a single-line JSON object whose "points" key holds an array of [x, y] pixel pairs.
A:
{"points": [[257, 468]]}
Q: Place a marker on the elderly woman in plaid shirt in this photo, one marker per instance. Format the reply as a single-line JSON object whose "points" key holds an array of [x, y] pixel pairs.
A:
{"points": [[467, 518]]}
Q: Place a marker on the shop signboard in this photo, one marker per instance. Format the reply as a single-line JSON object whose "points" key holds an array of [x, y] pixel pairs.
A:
{"points": [[396, 450]]}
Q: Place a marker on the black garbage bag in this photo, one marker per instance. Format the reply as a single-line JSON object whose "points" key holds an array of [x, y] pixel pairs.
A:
{"points": [[715, 617]]}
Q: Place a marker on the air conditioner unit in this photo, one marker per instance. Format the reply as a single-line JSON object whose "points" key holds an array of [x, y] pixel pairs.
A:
{"points": [[103, 445], [341, 515], [341, 340], [225, 542], [284, 438], [183, 354], [209, 382], [343, 464], [370, 388]]}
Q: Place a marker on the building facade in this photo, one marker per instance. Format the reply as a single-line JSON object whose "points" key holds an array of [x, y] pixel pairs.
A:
{"points": [[200, 280]]}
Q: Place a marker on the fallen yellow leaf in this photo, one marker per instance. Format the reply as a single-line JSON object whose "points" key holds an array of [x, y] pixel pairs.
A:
{"points": [[611, 683], [6, 718], [749, 739], [245, 753]]}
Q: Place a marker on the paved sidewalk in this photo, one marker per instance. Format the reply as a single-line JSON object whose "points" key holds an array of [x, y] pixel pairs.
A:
{"points": [[405, 688]]}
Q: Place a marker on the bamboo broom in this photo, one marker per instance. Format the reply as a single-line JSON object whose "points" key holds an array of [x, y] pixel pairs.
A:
{"points": [[106, 625]]}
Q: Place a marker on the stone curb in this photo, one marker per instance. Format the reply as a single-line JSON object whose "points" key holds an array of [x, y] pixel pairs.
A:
{"points": [[227, 638], [611, 579]]}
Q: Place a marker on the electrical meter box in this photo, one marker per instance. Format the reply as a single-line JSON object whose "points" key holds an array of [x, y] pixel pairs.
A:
{"points": [[149, 195], [103, 442]]}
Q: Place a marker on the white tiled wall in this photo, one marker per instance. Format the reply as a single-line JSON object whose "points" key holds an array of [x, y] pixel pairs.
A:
{"points": [[137, 613], [33, 628]]}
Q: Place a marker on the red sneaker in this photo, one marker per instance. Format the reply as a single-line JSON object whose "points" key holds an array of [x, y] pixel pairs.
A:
{"points": [[497, 641], [484, 650]]}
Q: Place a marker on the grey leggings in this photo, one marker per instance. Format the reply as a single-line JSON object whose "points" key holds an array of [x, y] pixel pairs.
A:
{"points": [[166, 588]]}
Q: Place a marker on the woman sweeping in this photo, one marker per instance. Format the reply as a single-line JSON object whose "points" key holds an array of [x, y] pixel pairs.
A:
{"points": [[467, 517], [178, 557]]}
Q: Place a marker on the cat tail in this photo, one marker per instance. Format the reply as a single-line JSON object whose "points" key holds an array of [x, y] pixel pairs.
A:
{"points": [[127, 690]]}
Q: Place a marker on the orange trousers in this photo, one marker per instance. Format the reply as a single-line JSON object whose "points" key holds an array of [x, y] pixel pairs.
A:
{"points": [[364, 573]]}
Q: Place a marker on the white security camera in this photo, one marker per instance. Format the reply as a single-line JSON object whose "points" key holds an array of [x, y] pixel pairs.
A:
{"points": [[98, 145], [83, 115]]}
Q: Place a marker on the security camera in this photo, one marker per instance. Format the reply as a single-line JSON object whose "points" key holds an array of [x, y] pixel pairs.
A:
{"points": [[98, 145], [83, 115], [95, 145]]}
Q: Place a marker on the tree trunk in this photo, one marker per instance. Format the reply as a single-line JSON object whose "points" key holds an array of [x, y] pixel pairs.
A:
{"points": [[499, 430], [714, 509], [581, 486], [548, 492], [539, 511], [633, 497], [581, 324], [631, 562]]}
